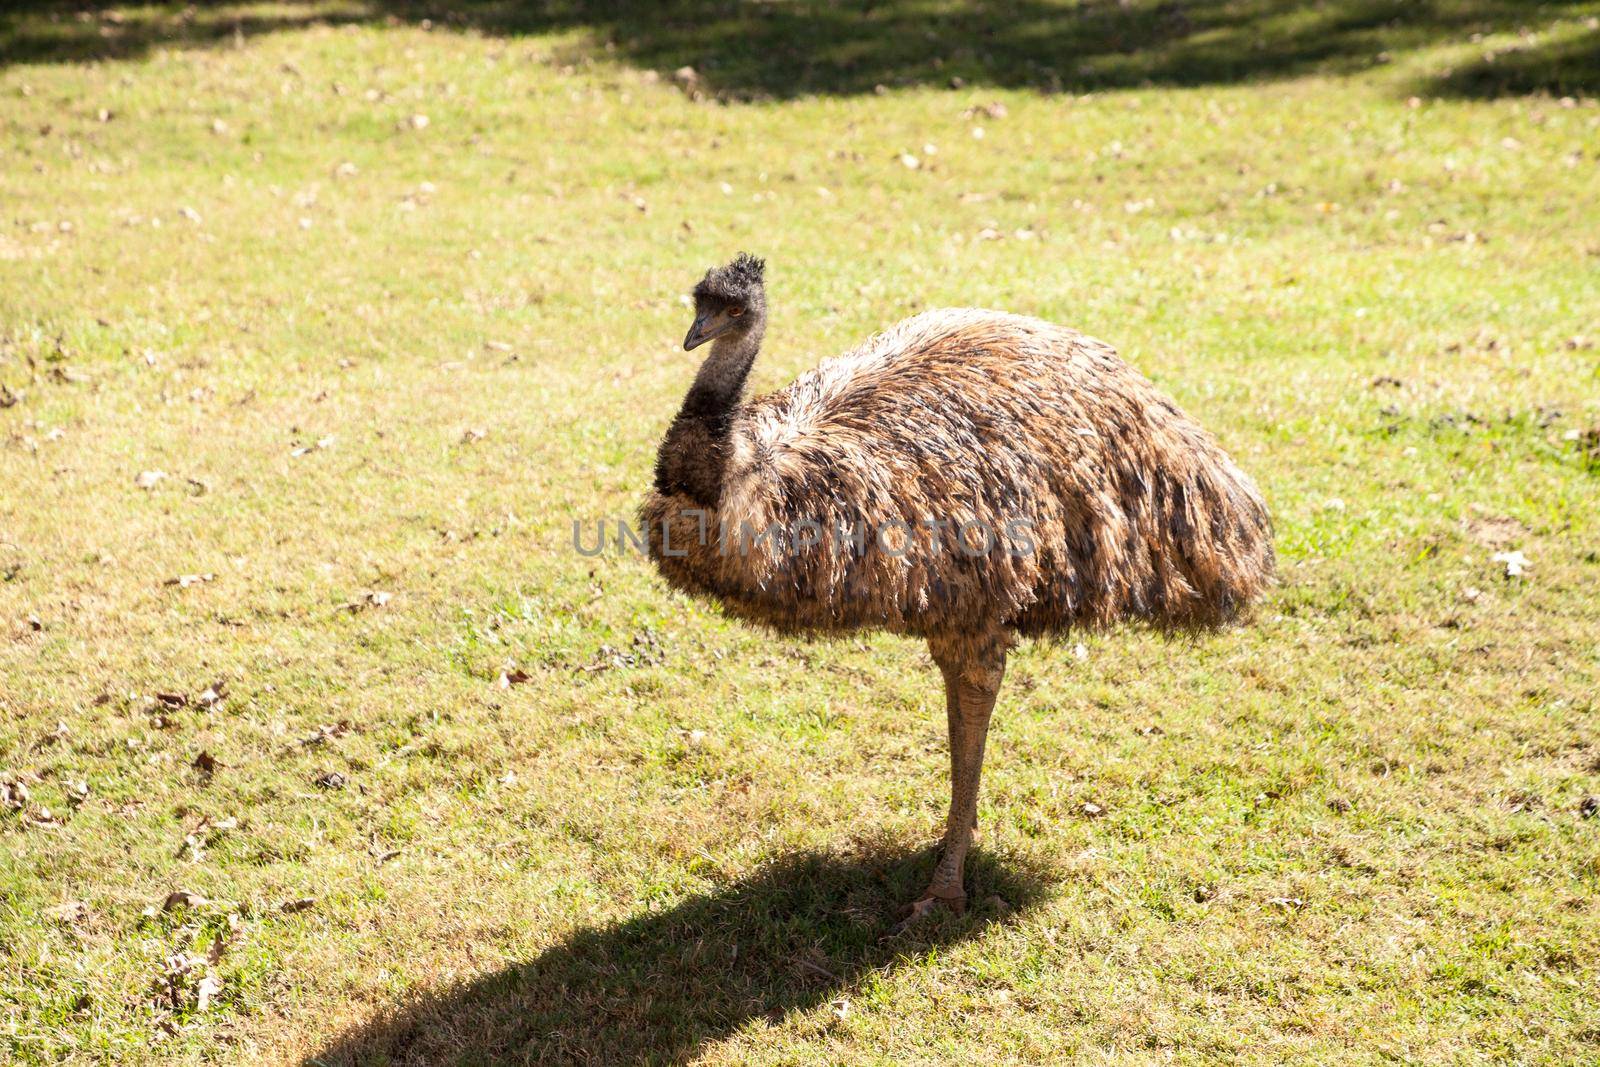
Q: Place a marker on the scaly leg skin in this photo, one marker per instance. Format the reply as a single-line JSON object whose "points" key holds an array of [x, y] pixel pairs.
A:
{"points": [[972, 673]]}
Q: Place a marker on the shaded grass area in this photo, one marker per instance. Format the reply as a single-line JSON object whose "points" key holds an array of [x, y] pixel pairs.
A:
{"points": [[1560, 63], [745, 50], [805, 931], [300, 395]]}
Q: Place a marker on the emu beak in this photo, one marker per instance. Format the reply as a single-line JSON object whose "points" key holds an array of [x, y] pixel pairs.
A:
{"points": [[698, 335]]}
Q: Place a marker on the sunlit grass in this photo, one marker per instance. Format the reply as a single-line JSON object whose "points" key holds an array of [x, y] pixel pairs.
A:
{"points": [[375, 355]]}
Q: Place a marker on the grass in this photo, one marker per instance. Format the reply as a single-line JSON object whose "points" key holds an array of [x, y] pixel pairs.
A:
{"points": [[372, 355]]}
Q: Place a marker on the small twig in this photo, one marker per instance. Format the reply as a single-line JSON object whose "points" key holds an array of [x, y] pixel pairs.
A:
{"points": [[817, 969]]}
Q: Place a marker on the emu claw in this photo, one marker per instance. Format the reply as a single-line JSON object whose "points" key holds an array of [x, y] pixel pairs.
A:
{"points": [[925, 906]]}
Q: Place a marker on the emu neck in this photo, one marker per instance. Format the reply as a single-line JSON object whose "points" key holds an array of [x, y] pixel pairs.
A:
{"points": [[693, 454], [719, 385]]}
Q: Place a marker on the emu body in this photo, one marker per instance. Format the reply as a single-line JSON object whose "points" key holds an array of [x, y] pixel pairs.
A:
{"points": [[968, 477]]}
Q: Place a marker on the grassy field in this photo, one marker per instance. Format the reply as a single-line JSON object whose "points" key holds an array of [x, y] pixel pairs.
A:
{"points": [[320, 325]]}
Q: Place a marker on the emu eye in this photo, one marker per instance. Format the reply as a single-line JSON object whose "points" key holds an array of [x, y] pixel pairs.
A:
{"points": [[735, 312]]}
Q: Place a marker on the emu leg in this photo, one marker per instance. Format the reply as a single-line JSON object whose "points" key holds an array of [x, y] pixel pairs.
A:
{"points": [[972, 681]]}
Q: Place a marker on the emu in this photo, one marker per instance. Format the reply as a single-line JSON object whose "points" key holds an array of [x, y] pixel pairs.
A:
{"points": [[854, 499]]}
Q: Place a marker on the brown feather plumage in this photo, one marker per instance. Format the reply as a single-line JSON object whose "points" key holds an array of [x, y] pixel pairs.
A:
{"points": [[1134, 511]]}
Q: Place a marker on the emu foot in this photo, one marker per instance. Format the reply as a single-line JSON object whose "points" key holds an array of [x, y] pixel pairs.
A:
{"points": [[927, 905]]}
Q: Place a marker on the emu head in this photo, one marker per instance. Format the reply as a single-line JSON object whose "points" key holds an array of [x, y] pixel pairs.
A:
{"points": [[728, 300]]}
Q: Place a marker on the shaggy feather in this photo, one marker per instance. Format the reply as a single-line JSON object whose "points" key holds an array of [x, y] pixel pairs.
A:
{"points": [[968, 416]]}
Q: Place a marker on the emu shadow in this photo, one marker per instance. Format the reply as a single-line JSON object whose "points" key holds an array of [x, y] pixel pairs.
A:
{"points": [[742, 49], [656, 988]]}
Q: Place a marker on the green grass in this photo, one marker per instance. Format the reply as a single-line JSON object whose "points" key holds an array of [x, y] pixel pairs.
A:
{"points": [[1357, 240]]}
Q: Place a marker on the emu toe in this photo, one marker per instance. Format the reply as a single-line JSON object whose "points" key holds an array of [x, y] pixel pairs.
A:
{"points": [[930, 903]]}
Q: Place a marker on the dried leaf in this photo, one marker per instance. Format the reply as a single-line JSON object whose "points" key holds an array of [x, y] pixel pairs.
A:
{"points": [[992, 110], [204, 833], [321, 443], [72, 911], [289, 907], [331, 780], [183, 898], [514, 676], [207, 991], [14, 795], [327, 732], [373, 599], [1516, 564], [206, 763], [60, 733], [220, 943], [176, 971]]}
